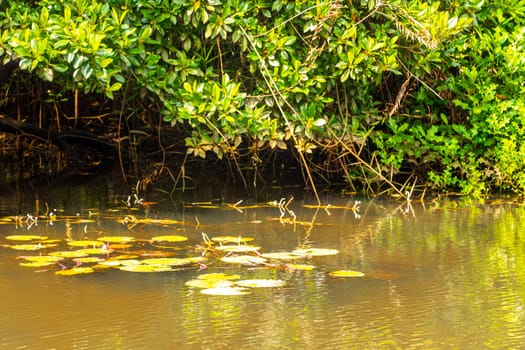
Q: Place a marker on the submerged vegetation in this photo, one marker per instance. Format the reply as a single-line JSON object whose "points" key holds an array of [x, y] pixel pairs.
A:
{"points": [[385, 96]]}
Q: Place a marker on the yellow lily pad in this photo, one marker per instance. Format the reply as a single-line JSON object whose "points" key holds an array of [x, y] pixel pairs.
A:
{"points": [[346, 273], [218, 276], [300, 267], [211, 283], [75, 271], [25, 238], [280, 256], [69, 254], [226, 291], [95, 251], [260, 283], [27, 246], [145, 268], [231, 239], [37, 263], [315, 252], [116, 239], [85, 243], [238, 248], [169, 238], [173, 261], [244, 260], [89, 259]]}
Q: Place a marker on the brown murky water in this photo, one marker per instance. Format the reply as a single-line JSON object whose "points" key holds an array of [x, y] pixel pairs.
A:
{"points": [[437, 276]]}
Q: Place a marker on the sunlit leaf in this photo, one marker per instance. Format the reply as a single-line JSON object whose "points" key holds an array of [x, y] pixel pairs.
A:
{"points": [[218, 276], [346, 273], [42, 258], [244, 260], [75, 271], [212, 283], [37, 263], [145, 268], [27, 246], [116, 239], [85, 243], [231, 239], [89, 259], [300, 267], [260, 283], [115, 246], [238, 248], [280, 256], [169, 238], [95, 251], [122, 262], [69, 254], [173, 261], [25, 237], [315, 252], [225, 291]]}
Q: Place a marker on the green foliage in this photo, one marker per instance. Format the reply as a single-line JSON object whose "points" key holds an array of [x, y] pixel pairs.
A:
{"points": [[429, 89]]}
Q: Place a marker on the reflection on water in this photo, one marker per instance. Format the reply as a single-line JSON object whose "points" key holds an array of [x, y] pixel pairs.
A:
{"points": [[437, 277]]}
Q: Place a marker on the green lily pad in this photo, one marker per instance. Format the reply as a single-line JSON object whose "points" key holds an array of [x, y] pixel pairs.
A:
{"points": [[315, 252], [169, 238], [346, 273], [226, 291], [261, 283], [244, 260]]}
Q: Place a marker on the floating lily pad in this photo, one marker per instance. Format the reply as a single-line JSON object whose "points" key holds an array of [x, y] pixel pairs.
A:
{"points": [[145, 268], [346, 273], [169, 238], [300, 267], [231, 239], [95, 251], [75, 271], [27, 246], [261, 283], [85, 243], [120, 262], [315, 252], [42, 258], [244, 260], [218, 276], [89, 259], [280, 256], [211, 283], [173, 261], [116, 239], [69, 254], [238, 248], [37, 263], [25, 238], [225, 291]]}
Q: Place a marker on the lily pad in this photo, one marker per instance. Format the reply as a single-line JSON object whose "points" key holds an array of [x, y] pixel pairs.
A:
{"points": [[69, 254], [88, 259], [25, 238], [218, 276], [145, 268], [315, 252], [75, 271], [300, 267], [261, 283], [231, 239], [173, 261], [169, 238], [116, 239], [27, 246], [346, 273], [42, 258], [95, 251], [238, 248], [37, 263], [280, 256], [225, 291], [244, 260], [85, 243], [211, 283]]}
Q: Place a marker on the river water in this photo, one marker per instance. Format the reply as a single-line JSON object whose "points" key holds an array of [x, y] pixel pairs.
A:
{"points": [[443, 275]]}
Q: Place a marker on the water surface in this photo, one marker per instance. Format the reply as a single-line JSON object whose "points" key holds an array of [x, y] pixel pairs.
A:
{"points": [[437, 276]]}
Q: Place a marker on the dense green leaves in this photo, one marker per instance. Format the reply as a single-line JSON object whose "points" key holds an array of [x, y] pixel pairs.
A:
{"points": [[424, 90]]}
